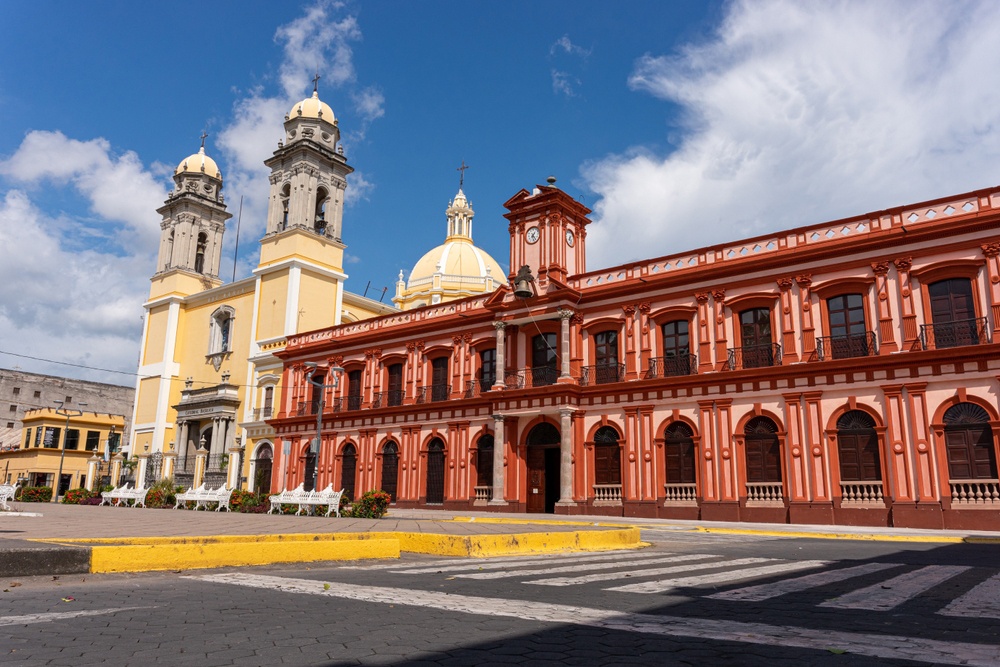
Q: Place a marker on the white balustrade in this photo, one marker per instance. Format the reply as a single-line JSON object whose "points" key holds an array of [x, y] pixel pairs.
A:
{"points": [[607, 494], [681, 494], [967, 493], [765, 494], [483, 494], [861, 494]]}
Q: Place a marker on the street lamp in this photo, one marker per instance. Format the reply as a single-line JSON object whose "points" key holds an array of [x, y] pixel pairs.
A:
{"points": [[62, 410], [321, 388]]}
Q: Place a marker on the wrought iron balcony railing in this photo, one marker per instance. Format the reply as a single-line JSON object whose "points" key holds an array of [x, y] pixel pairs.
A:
{"points": [[682, 364], [352, 403], [757, 356], [537, 376], [433, 393], [602, 374], [387, 399], [846, 346], [481, 384], [942, 335]]}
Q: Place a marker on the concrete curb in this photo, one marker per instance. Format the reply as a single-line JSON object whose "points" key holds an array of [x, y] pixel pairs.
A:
{"points": [[102, 555]]}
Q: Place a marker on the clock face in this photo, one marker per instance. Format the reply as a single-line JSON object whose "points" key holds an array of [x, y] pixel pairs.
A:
{"points": [[569, 237], [532, 235]]}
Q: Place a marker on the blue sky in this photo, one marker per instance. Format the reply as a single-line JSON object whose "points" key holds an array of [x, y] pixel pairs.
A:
{"points": [[680, 123]]}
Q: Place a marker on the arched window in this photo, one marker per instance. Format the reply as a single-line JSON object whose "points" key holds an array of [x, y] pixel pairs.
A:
{"points": [[544, 360], [348, 470], [679, 454], [286, 194], [439, 379], [763, 457], [484, 461], [199, 256], [968, 439], [848, 330], [857, 448], [606, 357], [395, 393], [390, 469], [487, 369], [221, 330], [435, 472], [320, 214], [354, 390], [607, 457]]}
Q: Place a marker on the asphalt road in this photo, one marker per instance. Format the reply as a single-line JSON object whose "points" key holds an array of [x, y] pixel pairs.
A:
{"points": [[690, 599]]}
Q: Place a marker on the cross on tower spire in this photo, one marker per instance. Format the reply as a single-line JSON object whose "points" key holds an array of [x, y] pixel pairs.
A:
{"points": [[461, 178], [315, 81], [203, 137]]}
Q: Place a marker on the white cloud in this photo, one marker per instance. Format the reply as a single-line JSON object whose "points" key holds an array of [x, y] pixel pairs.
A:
{"points": [[795, 113], [566, 46], [563, 83], [570, 58]]}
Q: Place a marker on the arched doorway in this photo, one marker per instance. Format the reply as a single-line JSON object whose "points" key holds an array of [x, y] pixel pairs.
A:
{"points": [[262, 466], [390, 469], [857, 451], [763, 461], [679, 457], [968, 439], [435, 472], [348, 470], [484, 465], [543, 468], [607, 465]]}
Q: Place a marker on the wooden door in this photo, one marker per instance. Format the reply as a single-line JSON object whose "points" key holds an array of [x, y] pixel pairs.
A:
{"points": [[435, 473], [536, 480]]}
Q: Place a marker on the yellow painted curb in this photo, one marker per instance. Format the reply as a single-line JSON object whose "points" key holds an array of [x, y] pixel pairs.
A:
{"points": [[189, 556], [212, 539], [869, 537], [484, 546], [540, 522]]}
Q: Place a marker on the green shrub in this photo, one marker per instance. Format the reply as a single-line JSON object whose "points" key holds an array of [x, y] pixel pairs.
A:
{"points": [[161, 494], [76, 496], [371, 505], [248, 502], [34, 494]]}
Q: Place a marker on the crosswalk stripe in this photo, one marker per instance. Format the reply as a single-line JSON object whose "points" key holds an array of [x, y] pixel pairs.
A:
{"points": [[48, 617], [983, 601], [494, 565], [588, 567], [875, 645], [656, 572], [894, 592], [665, 585], [767, 591]]}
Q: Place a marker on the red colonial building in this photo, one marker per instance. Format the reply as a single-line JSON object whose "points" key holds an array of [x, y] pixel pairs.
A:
{"points": [[842, 373]]}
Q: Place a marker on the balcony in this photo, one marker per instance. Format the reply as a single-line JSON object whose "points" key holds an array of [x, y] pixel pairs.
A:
{"points": [[756, 356], [676, 366], [306, 408], [939, 336], [353, 403], [537, 376], [433, 393], [847, 346], [480, 385], [387, 399], [602, 374]]}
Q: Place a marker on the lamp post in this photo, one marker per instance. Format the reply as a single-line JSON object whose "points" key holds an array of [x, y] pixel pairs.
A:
{"points": [[321, 388], [62, 410]]}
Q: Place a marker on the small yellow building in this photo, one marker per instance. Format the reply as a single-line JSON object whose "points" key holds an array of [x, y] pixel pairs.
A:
{"points": [[82, 451]]}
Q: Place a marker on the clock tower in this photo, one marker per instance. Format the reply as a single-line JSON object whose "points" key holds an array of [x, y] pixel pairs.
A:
{"points": [[547, 233]]}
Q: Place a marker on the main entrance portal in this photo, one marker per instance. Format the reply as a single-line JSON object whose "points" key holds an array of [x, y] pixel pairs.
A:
{"points": [[543, 469]]}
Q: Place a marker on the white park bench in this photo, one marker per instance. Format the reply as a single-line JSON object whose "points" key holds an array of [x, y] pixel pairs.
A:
{"points": [[114, 496], [285, 498], [6, 493], [201, 497], [312, 499]]}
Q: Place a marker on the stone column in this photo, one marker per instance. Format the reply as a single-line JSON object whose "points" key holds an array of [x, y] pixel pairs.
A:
{"points": [[92, 471], [564, 352], [116, 469], [566, 458], [200, 461], [499, 447], [182, 436], [498, 383]]}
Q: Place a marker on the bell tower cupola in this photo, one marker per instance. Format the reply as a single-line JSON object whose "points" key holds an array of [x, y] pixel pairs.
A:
{"points": [[308, 173], [193, 222]]}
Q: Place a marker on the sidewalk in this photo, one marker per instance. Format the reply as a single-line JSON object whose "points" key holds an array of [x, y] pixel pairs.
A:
{"points": [[104, 539]]}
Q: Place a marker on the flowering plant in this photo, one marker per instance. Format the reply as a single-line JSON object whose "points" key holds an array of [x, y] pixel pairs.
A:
{"points": [[371, 505]]}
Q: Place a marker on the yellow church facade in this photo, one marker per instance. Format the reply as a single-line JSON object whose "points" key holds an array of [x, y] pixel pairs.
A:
{"points": [[208, 374]]}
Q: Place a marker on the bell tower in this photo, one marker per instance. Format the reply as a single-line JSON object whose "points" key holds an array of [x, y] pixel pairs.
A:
{"points": [[547, 233], [192, 227]]}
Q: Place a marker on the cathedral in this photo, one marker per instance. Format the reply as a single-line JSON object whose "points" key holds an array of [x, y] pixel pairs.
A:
{"points": [[210, 376], [844, 372]]}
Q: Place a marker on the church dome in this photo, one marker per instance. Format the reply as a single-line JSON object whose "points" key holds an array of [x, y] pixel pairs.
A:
{"points": [[199, 163], [312, 107], [457, 260]]}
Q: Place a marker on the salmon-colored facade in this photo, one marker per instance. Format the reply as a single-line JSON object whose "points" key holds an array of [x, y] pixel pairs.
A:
{"points": [[841, 373]]}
